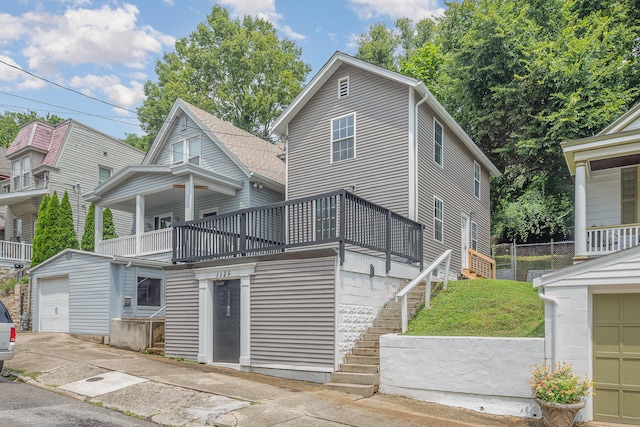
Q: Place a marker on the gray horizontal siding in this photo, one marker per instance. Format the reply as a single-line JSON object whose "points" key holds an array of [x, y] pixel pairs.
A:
{"points": [[130, 288], [181, 320], [380, 168], [89, 292], [293, 312], [454, 184]]}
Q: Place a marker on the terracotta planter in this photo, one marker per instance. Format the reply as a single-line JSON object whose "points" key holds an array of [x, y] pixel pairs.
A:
{"points": [[559, 414]]}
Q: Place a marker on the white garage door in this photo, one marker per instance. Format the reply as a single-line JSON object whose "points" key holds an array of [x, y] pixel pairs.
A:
{"points": [[54, 305]]}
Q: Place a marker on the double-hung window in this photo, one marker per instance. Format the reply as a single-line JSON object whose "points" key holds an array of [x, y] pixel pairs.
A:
{"points": [[326, 218], [104, 174], [629, 195], [188, 150], [438, 221], [476, 179], [149, 289], [343, 137], [437, 143], [21, 173]]}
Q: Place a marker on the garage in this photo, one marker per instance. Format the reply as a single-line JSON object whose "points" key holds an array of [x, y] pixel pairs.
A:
{"points": [[54, 304], [616, 358]]}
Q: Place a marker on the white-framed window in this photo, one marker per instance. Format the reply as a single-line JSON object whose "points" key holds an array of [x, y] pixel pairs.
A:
{"points": [[438, 219], [149, 291], [437, 143], [326, 218], [104, 174], [186, 150], [208, 212], [183, 122], [629, 195], [21, 170], [343, 87], [343, 137], [474, 236], [162, 221], [177, 152], [476, 179], [193, 150]]}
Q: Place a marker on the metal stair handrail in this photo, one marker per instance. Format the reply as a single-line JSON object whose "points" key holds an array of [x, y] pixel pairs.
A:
{"points": [[151, 324], [425, 274]]}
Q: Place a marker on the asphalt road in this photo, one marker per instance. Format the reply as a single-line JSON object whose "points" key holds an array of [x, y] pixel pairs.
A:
{"points": [[22, 405]]}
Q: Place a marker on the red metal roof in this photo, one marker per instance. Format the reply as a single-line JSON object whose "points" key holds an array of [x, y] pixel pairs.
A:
{"points": [[41, 136]]}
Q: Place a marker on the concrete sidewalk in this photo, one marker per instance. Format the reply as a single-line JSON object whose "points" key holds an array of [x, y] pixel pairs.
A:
{"points": [[179, 393]]}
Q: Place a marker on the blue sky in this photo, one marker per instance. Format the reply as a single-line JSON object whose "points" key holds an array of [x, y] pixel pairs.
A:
{"points": [[108, 49]]}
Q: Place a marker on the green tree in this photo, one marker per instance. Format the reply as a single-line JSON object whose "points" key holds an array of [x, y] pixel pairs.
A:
{"points": [[238, 70], [141, 142], [68, 238], [11, 122], [51, 229], [108, 228], [378, 46], [38, 243]]}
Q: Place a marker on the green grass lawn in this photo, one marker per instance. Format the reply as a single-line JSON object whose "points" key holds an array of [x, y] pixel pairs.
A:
{"points": [[485, 308]]}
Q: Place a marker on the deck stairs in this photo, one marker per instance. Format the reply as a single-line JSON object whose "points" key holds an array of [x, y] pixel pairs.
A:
{"points": [[360, 373], [467, 273]]}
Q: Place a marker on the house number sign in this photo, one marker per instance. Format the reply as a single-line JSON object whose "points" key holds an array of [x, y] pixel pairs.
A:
{"points": [[220, 274]]}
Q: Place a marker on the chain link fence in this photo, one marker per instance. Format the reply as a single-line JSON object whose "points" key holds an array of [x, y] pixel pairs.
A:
{"points": [[525, 262]]}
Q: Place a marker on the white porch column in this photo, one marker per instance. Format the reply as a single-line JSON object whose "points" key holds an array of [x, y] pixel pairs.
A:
{"points": [[97, 227], [189, 200], [580, 230], [205, 321], [139, 222]]}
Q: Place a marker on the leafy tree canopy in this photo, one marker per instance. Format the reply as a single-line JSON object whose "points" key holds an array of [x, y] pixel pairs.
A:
{"points": [[11, 122], [521, 77], [238, 70]]}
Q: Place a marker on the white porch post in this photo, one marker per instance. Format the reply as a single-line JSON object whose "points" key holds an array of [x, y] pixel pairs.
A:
{"points": [[581, 210], [139, 222], [189, 200], [205, 321], [97, 227], [245, 321]]}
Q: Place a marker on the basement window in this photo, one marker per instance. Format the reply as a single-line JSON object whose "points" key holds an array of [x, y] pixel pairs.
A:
{"points": [[149, 291]]}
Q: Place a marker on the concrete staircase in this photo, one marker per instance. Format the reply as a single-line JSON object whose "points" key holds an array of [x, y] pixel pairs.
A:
{"points": [[360, 373]]}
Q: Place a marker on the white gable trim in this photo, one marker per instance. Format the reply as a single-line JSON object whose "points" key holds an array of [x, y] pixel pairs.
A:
{"points": [[623, 121]]}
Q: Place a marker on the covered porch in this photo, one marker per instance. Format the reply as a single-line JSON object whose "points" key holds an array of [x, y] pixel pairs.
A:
{"points": [[158, 196], [606, 168], [21, 209]]}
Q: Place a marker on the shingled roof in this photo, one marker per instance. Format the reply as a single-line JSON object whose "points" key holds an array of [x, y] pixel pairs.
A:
{"points": [[41, 136]]}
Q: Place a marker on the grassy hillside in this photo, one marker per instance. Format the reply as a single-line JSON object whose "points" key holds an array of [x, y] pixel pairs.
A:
{"points": [[487, 308]]}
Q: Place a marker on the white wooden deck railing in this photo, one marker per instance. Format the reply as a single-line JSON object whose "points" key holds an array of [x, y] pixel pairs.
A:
{"points": [[122, 246], [157, 241], [152, 242], [15, 251], [426, 276], [604, 240]]}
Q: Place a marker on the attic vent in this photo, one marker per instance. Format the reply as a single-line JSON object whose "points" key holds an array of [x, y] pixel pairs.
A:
{"points": [[183, 123], [343, 87]]}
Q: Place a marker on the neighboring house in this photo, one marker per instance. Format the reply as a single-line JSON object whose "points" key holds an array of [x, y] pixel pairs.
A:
{"points": [[593, 307], [5, 173], [198, 166], [45, 158], [288, 288]]}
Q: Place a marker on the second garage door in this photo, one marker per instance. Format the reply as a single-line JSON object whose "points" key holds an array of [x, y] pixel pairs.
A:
{"points": [[54, 304], [616, 351]]}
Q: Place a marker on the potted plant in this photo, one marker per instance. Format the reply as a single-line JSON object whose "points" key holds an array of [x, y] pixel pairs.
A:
{"points": [[558, 392]]}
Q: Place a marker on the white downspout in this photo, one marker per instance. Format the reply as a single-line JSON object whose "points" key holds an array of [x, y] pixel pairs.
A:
{"points": [[554, 324]]}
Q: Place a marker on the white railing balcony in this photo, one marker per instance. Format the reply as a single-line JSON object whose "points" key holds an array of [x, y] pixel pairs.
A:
{"points": [[152, 242], [157, 241], [608, 239], [15, 251]]}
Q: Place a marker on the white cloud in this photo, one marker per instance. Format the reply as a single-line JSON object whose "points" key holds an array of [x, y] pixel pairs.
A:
{"points": [[414, 9], [110, 85], [168, 2], [10, 73], [264, 9], [90, 36], [11, 28]]}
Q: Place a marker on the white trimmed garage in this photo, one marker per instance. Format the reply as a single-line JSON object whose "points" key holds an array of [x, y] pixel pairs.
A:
{"points": [[54, 304], [592, 321]]}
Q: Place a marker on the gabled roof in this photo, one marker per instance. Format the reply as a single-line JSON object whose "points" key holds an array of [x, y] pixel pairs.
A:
{"points": [[339, 58], [253, 155], [68, 253], [628, 121], [617, 268]]}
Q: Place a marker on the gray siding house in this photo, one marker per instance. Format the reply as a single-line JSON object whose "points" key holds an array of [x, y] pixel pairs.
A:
{"points": [[45, 158], [385, 137], [380, 182]]}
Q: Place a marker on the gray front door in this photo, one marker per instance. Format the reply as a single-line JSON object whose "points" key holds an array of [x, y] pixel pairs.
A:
{"points": [[226, 318]]}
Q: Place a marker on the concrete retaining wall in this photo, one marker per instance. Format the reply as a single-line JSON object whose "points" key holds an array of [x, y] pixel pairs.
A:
{"points": [[484, 374], [133, 334]]}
